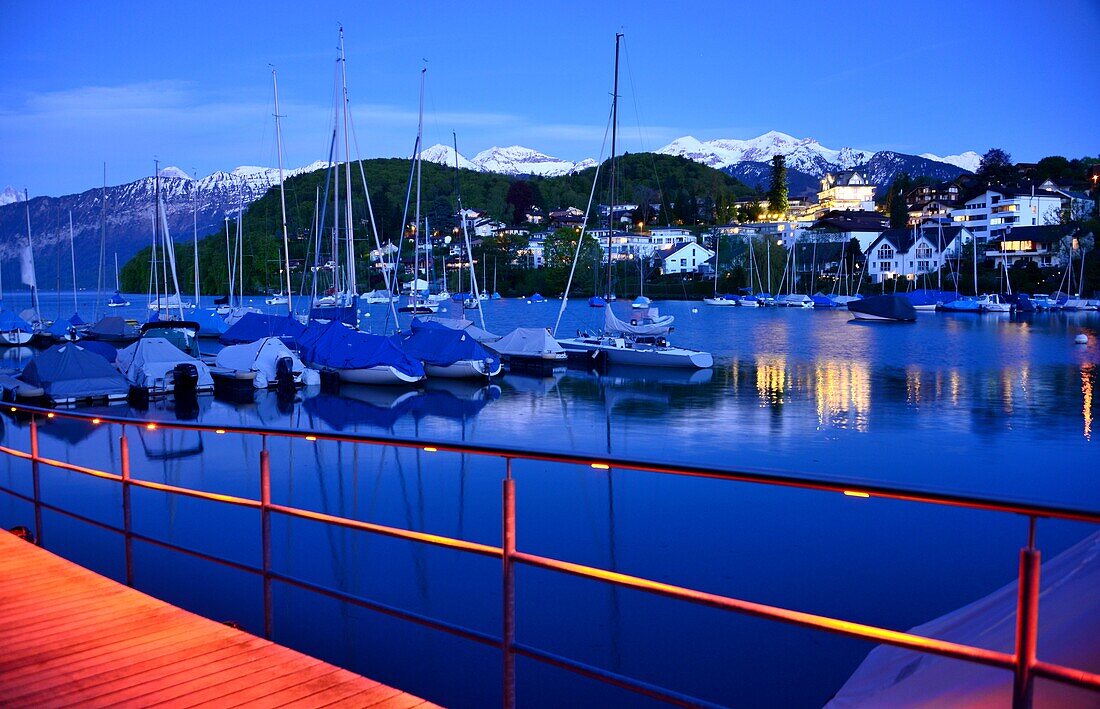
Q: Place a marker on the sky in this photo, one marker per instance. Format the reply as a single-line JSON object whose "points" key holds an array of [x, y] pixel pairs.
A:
{"points": [[189, 83]]}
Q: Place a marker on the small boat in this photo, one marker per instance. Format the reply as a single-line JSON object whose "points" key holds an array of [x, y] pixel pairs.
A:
{"points": [[14, 330], [820, 300], [765, 299], [419, 306], [266, 363], [925, 300], [154, 367], [883, 308], [727, 300], [748, 301], [529, 348], [440, 297], [114, 329], [169, 303], [276, 299], [844, 300], [117, 301], [597, 302], [68, 374], [993, 303], [966, 304], [538, 298], [446, 352], [495, 296], [642, 342], [471, 303], [1043, 301], [357, 357], [795, 300], [640, 303], [1020, 302], [377, 297]]}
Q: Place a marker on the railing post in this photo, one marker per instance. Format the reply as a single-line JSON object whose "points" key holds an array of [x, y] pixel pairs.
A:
{"points": [[265, 521], [35, 480], [1027, 622], [508, 545], [127, 517]]}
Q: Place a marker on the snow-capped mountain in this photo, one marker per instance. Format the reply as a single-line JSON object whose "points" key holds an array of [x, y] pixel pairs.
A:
{"points": [[969, 160], [803, 154], [9, 196], [129, 215], [513, 160]]}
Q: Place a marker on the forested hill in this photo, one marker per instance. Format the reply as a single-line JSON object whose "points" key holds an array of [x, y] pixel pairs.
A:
{"points": [[641, 178]]}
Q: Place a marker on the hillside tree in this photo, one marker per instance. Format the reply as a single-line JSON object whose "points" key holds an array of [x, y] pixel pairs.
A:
{"points": [[777, 191]]}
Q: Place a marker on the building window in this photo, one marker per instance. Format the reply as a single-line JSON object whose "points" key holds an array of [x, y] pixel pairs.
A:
{"points": [[886, 252], [922, 266]]}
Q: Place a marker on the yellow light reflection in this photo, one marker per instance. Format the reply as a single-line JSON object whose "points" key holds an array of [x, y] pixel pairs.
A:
{"points": [[1086, 392], [843, 394], [771, 380]]}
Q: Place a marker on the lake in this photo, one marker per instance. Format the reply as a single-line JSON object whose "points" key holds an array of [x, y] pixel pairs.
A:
{"points": [[993, 405]]}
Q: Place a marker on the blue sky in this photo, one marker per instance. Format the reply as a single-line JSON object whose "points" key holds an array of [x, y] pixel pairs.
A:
{"points": [[189, 82]]}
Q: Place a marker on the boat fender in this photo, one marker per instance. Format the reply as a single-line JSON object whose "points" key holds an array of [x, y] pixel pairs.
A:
{"points": [[21, 532], [1081, 339]]}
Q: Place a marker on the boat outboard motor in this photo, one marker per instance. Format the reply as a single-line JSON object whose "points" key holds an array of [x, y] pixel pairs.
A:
{"points": [[185, 379], [284, 373]]}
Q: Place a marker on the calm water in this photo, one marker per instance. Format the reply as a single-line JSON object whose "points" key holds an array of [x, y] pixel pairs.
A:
{"points": [[993, 405]]}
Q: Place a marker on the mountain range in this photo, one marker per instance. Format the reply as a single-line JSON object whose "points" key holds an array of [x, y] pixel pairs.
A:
{"points": [[209, 200]]}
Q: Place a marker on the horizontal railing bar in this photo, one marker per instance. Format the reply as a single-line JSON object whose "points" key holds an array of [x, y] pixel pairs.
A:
{"points": [[423, 537], [393, 611], [758, 476], [200, 494], [760, 610], [1067, 675], [607, 677]]}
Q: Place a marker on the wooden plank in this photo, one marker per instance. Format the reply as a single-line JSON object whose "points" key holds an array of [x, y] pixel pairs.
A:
{"points": [[72, 637]]}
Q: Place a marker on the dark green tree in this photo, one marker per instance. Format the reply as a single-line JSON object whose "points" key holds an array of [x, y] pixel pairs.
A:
{"points": [[558, 252], [777, 191], [898, 209], [996, 167]]}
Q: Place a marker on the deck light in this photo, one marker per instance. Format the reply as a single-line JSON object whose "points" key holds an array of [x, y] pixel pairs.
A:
{"points": [[95, 421], [601, 466], [311, 438], [856, 493], [49, 416], [429, 449], [151, 426], [219, 430], [13, 408]]}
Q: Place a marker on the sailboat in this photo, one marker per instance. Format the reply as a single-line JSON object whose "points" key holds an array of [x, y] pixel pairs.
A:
{"points": [[719, 300], [116, 300], [14, 330], [164, 303], [966, 304]]}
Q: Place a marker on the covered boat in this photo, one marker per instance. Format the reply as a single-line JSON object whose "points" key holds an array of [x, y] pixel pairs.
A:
{"points": [[595, 302], [256, 326], [820, 300], [153, 366], [357, 357], [964, 304], [927, 299], [795, 300], [112, 329], [883, 308], [267, 362], [61, 331], [70, 374], [14, 330], [536, 298], [467, 326], [529, 348], [453, 354], [728, 300], [643, 342], [211, 325], [640, 303]]}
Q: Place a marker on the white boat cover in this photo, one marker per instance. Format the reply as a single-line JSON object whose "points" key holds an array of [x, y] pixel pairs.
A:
{"points": [[261, 357], [641, 325], [1069, 624], [527, 342], [236, 314], [148, 362]]}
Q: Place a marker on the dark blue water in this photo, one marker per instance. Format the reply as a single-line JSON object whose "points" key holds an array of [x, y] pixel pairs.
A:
{"points": [[991, 405]]}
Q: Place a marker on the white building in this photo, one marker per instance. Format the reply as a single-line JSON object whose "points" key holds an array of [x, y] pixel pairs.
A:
{"points": [[788, 232], [845, 190], [685, 258], [1044, 246], [629, 245], [897, 252], [989, 215]]}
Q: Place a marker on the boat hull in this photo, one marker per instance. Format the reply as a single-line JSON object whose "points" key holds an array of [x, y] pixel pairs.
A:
{"points": [[15, 338], [720, 302], [640, 355], [464, 369], [383, 375]]}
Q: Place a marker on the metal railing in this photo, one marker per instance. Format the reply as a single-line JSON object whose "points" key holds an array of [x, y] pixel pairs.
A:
{"points": [[1022, 662]]}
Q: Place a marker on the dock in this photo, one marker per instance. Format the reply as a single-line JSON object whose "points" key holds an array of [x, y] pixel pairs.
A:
{"points": [[72, 637]]}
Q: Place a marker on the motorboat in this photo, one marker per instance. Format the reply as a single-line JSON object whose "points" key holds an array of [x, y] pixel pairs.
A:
{"points": [[68, 375], [1043, 301], [446, 352], [154, 366], [530, 348], [276, 299], [378, 297], [14, 330], [439, 297], [795, 300], [927, 300], [597, 302], [764, 299], [883, 308], [113, 329], [117, 301], [748, 301], [640, 303], [965, 304], [266, 363], [167, 303], [642, 341], [993, 303], [419, 306], [470, 304], [727, 300], [821, 300], [357, 357]]}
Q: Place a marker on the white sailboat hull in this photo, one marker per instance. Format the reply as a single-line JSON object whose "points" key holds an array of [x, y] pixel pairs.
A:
{"points": [[639, 355], [383, 375], [15, 338], [464, 369], [719, 301]]}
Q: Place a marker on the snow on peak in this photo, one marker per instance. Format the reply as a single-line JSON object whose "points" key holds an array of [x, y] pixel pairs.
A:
{"points": [[445, 155], [171, 171], [584, 164], [969, 160], [803, 154], [518, 160], [10, 196]]}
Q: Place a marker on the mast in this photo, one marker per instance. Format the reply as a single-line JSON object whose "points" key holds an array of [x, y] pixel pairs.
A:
{"points": [[228, 265], [939, 255], [72, 257], [30, 251], [282, 196], [116, 271], [614, 134], [975, 240], [195, 237], [718, 250], [466, 239], [351, 285], [102, 241], [416, 224]]}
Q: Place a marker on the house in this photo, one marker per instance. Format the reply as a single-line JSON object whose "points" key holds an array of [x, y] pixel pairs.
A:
{"points": [[990, 214], [912, 252], [845, 225], [845, 190], [684, 258], [932, 202], [1043, 245], [534, 215], [568, 217], [788, 231]]}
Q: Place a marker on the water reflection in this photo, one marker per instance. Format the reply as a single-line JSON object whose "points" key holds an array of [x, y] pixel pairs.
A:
{"points": [[1086, 398]]}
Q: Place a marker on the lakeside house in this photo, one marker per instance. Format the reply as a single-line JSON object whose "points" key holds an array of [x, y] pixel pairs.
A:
{"points": [[1045, 246], [684, 258], [910, 253], [847, 190], [990, 214], [863, 225]]}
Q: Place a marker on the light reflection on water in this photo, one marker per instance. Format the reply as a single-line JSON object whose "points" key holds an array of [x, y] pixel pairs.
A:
{"points": [[1002, 407]]}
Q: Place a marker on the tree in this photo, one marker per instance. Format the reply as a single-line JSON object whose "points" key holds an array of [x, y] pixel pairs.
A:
{"points": [[521, 197], [777, 192], [558, 251], [995, 167], [899, 210]]}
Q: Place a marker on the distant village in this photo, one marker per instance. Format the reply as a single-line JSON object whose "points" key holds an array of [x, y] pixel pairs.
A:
{"points": [[1011, 226]]}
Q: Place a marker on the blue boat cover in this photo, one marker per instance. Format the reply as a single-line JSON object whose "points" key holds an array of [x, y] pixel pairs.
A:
{"points": [[10, 322], [442, 403], [597, 302], [59, 328], [118, 299], [112, 326], [104, 349], [459, 297], [76, 320], [210, 323], [432, 343], [890, 307], [255, 326], [823, 301], [71, 372], [337, 346], [537, 298]]}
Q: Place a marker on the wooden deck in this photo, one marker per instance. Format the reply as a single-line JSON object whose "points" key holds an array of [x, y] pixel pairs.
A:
{"points": [[69, 636]]}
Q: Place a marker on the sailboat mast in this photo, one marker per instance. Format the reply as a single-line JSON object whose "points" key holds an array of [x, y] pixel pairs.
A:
{"points": [[195, 238], [72, 257], [416, 224], [228, 264], [116, 272], [282, 195], [102, 240], [351, 284], [466, 239], [30, 252], [614, 135]]}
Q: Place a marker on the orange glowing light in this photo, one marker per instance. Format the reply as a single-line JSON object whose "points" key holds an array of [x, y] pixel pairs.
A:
{"points": [[219, 430], [13, 408], [855, 493], [430, 449], [311, 438], [95, 421], [49, 416], [601, 466], [151, 426]]}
